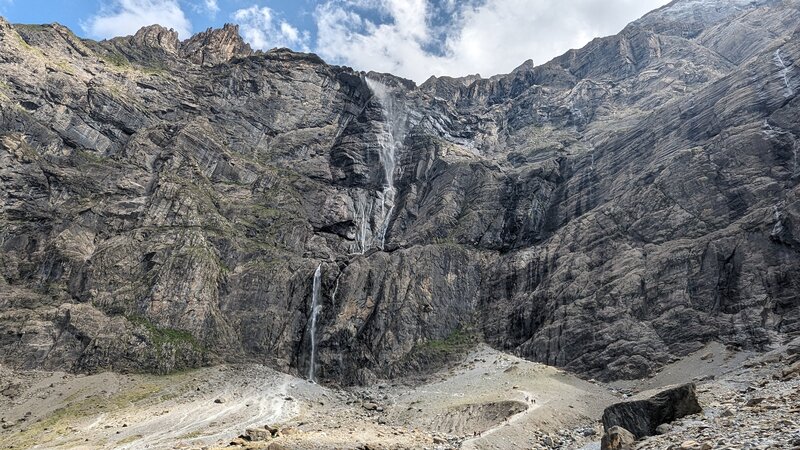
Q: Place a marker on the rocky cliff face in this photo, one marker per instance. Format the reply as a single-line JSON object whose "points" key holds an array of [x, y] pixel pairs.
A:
{"points": [[165, 204]]}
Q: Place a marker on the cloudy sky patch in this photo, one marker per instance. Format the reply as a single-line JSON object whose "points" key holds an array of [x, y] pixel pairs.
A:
{"points": [[125, 17], [410, 38], [488, 37]]}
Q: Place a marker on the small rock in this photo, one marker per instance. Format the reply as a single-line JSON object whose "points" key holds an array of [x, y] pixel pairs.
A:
{"points": [[288, 431], [694, 445], [726, 413], [786, 423], [238, 442], [219, 400], [617, 438], [258, 434], [664, 428], [791, 371], [754, 401]]}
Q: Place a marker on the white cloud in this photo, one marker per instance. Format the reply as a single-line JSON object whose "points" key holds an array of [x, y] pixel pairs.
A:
{"points": [[207, 7], [263, 31], [126, 17], [490, 37], [212, 6]]}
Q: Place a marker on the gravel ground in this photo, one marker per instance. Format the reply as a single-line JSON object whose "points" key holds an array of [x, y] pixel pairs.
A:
{"points": [[490, 400], [756, 406]]}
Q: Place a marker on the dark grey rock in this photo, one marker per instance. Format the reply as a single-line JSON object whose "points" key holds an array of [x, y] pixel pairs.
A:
{"points": [[643, 417]]}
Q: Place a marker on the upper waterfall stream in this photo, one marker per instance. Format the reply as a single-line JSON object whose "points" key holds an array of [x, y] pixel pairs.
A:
{"points": [[389, 140]]}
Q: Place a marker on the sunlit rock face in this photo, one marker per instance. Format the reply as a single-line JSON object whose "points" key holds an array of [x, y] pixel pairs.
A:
{"points": [[166, 204]]}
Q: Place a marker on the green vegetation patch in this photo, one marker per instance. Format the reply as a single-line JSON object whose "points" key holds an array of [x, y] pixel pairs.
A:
{"points": [[116, 59], [129, 439], [163, 335], [433, 355], [60, 424], [459, 341]]}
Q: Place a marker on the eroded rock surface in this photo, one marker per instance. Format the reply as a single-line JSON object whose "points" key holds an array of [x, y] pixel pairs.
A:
{"points": [[165, 204]]}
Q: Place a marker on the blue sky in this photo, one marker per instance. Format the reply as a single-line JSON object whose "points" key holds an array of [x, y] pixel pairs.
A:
{"points": [[73, 13], [410, 38]]}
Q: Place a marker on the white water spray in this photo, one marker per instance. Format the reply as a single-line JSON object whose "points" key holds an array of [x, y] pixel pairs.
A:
{"points": [[784, 71], [388, 142], [315, 308], [363, 210], [777, 215]]}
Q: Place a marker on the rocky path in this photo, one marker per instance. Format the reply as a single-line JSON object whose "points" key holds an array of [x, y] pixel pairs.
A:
{"points": [[474, 443]]}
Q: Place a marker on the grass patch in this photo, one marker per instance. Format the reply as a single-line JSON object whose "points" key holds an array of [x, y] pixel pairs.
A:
{"points": [[129, 439], [433, 355], [116, 59], [65, 66], [164, 336], [60, 423], [154, 70], [192, 435], [4, 89], [92, 157], [458, 341]]}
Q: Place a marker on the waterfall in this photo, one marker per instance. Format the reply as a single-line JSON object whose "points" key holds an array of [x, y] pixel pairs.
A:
{"points": [[315, 308], [388, 142], [777, 229], [784, 72], [363, 211]]}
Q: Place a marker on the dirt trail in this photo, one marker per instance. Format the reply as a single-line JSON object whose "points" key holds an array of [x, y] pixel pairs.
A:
{"points": [[474, 443]]}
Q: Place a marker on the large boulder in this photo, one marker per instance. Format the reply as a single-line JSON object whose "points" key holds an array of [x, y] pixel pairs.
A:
{"points": [[642, 417]]}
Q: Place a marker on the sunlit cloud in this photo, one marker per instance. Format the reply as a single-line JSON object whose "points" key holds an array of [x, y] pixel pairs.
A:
{"points": [[422, 38], [125, 17], [261, 28]]}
